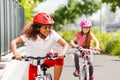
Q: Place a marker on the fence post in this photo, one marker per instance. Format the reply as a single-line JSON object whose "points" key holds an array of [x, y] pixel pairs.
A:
{"points": [[0, 30], [11, 22]]}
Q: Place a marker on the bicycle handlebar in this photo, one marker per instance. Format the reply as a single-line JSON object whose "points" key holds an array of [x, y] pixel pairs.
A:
{"points": [[91, 49], [27, 58]]}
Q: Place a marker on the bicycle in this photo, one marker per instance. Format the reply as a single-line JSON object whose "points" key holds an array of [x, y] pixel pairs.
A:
{"points": [[41, 70], [84, 63]]}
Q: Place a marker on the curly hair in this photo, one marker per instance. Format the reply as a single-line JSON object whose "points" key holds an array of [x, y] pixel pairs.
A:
{"points": [[31, 30]]}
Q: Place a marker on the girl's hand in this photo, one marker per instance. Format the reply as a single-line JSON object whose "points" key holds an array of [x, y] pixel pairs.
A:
{"points": [[74, 46], [98, 49], [18, 57], [60, 56]]}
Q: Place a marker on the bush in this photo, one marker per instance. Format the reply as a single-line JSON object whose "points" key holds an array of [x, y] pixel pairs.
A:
{"points": [[68, 35], [109, 46], [112, 45], [116, 48], [103, 39]]}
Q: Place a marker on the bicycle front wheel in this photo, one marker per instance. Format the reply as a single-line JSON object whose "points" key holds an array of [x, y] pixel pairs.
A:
{"points": [[39, 78], [83, 75], [48, 76]]}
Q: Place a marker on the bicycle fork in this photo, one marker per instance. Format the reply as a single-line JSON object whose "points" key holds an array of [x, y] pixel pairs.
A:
{"points": [[84, 74], [38, 77], [87, 72], [38, 70], [84, 71]]}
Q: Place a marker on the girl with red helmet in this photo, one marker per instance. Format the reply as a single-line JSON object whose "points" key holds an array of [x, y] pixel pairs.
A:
{"points": [[40, 36], [83, 39]]}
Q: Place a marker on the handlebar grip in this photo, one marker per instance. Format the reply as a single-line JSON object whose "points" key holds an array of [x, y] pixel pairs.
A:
{"points": [[13, 57]]}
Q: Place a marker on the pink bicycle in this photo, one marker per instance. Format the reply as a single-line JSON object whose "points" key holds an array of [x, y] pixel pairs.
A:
{"points": [[84, 62]]}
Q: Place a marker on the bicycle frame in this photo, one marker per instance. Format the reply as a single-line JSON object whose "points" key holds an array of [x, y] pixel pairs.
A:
{"points": [[41, 73], [84, 68], [41, 70], [84, 65]]}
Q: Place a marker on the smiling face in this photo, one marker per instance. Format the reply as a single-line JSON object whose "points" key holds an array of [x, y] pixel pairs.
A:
{"points": [[86, 29], [45, 30]]}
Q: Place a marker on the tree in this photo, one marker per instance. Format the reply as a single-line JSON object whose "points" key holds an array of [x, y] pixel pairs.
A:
{"points": [[29, 5], [74, 9], [115, 3]]}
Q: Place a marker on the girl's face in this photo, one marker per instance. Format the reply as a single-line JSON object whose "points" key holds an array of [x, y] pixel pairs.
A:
{"points": [[86, 29], [45, 30]]}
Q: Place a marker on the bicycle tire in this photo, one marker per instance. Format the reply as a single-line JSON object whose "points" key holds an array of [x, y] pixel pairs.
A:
{"points": [[84, 73], [40, 78], [85, 78], [48, 76]]}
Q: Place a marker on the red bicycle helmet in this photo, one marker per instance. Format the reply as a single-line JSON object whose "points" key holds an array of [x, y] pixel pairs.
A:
{"points": [[43, 18]]}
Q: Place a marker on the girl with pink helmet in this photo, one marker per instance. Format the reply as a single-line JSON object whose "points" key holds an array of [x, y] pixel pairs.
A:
{"points": [[83, 39]]}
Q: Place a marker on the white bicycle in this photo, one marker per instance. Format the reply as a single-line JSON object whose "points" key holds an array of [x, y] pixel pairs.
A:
{"points": [[41, 70], [84, 63]]}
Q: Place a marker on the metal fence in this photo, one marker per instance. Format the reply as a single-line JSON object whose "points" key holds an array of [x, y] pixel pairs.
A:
{"points": [[12, 20]]}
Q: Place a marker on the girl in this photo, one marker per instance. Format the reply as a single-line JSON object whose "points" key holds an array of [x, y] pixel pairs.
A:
{"points": [[40, 37], [83, 39]]}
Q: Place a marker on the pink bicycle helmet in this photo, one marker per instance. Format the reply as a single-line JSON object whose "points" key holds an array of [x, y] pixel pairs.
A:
{"points": [[43, 18], [85, 23]]}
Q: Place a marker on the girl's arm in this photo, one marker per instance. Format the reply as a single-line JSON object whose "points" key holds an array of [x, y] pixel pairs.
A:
{"points": [[73, 42], [95, 40], [14, 44], [65, 46]]}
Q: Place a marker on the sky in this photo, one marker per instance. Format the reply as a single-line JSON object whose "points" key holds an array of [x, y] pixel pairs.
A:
{"points": [[49, 6]]}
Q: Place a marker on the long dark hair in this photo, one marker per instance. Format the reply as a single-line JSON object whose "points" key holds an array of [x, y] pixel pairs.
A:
{"points": [[31, 30], [87, 41]]}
